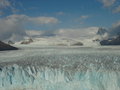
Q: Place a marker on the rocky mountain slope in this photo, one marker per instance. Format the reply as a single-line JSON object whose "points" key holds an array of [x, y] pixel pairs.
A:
{"points": [[4, 46], [111, 41]]}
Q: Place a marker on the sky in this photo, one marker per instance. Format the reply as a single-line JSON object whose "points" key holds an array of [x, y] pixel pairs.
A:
{"points": [[20, 15]]}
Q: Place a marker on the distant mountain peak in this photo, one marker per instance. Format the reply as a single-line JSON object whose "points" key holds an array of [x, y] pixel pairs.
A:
{"points": [[101, 31]]}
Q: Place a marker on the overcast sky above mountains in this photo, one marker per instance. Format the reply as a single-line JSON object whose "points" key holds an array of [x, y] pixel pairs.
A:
{"points": [[63, 17]]}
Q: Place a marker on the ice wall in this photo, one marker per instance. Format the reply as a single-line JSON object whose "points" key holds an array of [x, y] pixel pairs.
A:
{"points": [[35, 78]]}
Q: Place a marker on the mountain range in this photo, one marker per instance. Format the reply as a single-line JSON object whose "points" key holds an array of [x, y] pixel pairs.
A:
{"points": [[68, 37]]}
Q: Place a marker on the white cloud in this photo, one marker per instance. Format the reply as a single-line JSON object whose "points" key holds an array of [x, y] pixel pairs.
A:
{"points": [[108, 3], [117, 9], [113, 4], [77, 33], [43, 20], [84, 17], [115, 29], [4, 4], [33, 20], [60, 13], [34, 32], [9, 5], [83, 33], [1, 13], [10, 25], [117, 24], [14, 24]]}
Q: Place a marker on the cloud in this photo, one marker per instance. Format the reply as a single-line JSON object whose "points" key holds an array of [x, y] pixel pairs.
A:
{"points": [[113, 4], [60, 13], [5, 4], [8, 5], [33, 33], [15, 24], [116, 24], [43, 20], [82, 33], [11, 25], [115, 30], [117, 9], [77, 33], [34, 20], [84, 17], [1, 13], [108, 3]]}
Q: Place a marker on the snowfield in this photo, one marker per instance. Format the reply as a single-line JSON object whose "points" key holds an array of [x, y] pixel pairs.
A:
{"points": [[60, 68]]}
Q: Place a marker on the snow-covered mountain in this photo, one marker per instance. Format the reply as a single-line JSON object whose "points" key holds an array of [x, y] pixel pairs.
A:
{"points": [[101, 31], [113, 36], [51, 41], [64, 37], [91, 36]]}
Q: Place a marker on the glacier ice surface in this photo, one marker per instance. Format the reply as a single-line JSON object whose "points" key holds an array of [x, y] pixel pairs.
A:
{"points": [[60, 68]]}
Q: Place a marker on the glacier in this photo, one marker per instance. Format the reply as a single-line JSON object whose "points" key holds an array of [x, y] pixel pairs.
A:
{"points": [[60, 68]]}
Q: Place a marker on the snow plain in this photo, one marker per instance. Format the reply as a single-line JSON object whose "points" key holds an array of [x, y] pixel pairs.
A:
{"points": [[60, 68]]}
